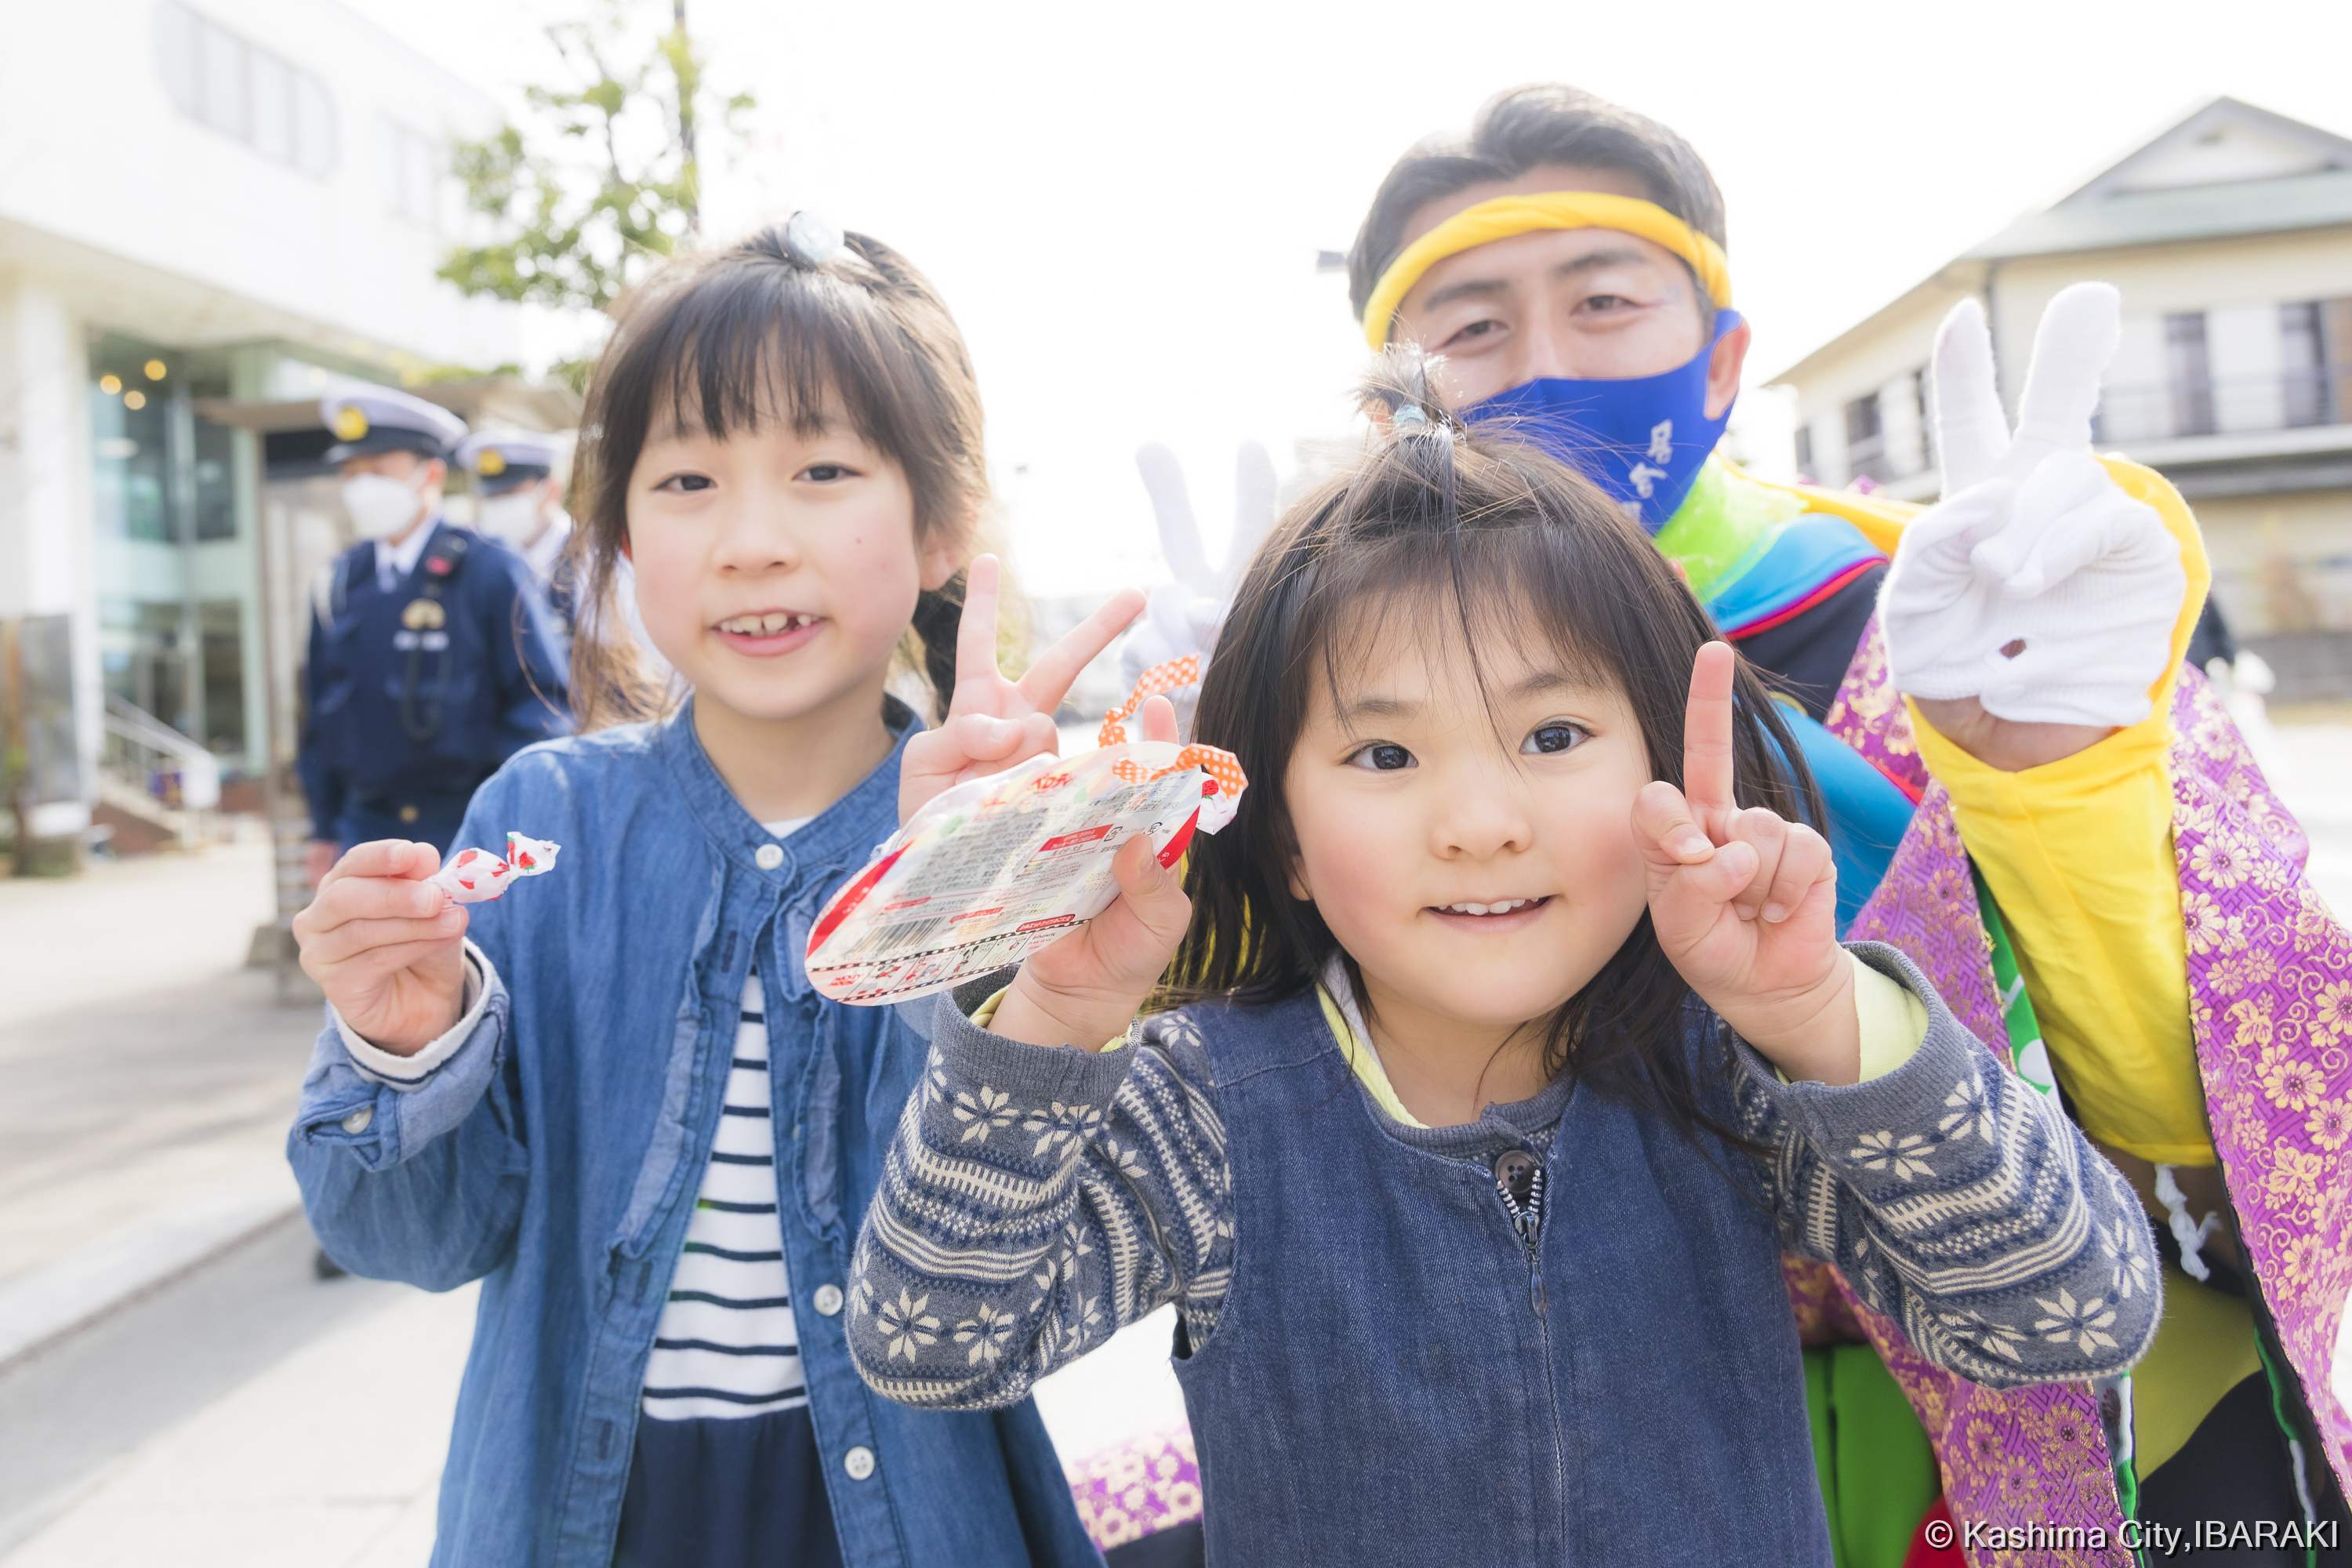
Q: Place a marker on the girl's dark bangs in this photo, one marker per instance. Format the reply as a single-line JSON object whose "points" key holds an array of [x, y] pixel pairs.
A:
{"points": [[758, 346], [1480, 583]]}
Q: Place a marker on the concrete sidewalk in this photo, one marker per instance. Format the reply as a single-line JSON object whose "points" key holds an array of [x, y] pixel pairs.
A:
{"points": [[143, 1070]]}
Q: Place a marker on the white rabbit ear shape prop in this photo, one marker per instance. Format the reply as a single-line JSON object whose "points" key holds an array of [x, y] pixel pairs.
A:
{"points": [[1184, 616]]}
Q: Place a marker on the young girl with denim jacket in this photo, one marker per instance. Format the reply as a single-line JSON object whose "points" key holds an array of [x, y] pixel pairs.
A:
{"points": [[1521, 1048], [612, 1097]]}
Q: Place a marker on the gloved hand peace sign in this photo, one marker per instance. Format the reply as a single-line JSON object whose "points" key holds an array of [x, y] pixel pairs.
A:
{"points": [[1184, 615], [2036, 587]]}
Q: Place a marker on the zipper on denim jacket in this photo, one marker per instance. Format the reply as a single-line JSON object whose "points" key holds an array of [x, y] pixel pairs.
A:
{"points": [[1519, 1182]]}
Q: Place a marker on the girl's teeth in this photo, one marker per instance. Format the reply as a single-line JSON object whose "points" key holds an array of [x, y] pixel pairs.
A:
{"points": [[1504, 908], [765, 625]]}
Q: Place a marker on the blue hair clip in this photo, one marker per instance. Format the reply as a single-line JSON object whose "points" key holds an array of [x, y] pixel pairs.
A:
{"points": [[1409, 414], [811, 238]]}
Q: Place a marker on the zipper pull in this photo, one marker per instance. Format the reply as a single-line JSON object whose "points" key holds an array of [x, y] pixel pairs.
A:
{"points": [[1519, 1179]]}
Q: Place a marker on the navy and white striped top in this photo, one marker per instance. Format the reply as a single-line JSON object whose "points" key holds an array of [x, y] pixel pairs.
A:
{"points": [[726, 1347]]}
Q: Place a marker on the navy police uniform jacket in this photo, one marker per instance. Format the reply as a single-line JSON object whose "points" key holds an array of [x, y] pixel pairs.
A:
{"points": [[421, 693]]}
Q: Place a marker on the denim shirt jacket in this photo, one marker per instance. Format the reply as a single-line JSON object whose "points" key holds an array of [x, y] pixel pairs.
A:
{"points": [[555, 1153]]}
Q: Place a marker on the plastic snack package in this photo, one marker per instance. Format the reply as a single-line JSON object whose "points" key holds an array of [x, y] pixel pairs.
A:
{"points": [[477, 876], [995, 870]]}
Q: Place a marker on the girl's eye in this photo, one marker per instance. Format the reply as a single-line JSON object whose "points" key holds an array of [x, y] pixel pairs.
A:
{"points": [[1546, 739], [686, 482], [1380, 757], [826, 473]]}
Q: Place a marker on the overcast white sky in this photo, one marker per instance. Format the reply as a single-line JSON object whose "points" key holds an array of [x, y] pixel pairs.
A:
{"points": [[1122, 205]]}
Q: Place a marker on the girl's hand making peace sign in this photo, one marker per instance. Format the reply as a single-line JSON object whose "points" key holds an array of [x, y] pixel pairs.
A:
{"points": [[993, 723], [1082, 990], [1744, 902]]}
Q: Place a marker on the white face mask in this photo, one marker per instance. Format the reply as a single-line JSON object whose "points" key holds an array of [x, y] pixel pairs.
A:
{"points": [[513, 517], [381, 507]]}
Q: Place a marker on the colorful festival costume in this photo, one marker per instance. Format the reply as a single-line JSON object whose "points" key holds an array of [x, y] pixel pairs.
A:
{"points": [[2268, 1001]]}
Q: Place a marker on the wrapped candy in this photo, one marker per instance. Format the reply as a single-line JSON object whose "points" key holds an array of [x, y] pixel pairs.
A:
{"points": [[996, 868], [477, 876]]}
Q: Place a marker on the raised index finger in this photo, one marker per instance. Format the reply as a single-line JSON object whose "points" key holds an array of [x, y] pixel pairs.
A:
{"points": [[1706, 733], [1048, 681], [976, 632]]}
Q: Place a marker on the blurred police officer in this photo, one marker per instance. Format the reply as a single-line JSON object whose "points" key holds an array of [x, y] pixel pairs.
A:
{"points": [[519, 501], [431, 662]]}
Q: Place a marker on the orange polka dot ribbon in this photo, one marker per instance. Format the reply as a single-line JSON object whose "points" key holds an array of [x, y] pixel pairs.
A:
{"points": [[1172, 676], [1219, 764]]}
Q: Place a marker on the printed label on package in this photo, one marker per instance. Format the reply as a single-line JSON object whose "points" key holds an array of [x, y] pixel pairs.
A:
{"points": [[992, 871]]}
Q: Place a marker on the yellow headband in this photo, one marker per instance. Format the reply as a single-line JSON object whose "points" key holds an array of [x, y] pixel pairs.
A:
{"points": [[1508, 216]]}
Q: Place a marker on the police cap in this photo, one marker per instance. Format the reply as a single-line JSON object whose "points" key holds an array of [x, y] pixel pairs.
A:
{"points": [[502, 461], [374, 419]]}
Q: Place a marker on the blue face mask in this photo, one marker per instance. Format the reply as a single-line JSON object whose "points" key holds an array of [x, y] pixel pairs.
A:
{"points": [[1643, 440]]}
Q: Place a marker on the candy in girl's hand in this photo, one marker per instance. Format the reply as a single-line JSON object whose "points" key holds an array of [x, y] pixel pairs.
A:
{"points": [[530, 856], [477, 876], [472, 877]]}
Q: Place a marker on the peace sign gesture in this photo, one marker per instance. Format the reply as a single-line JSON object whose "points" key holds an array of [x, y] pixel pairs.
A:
{"points": [[993, 723], [2037, 593], [1744, 902]]}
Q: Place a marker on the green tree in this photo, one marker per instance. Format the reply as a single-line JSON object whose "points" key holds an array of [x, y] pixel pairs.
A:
{"points": [[605, 181]]}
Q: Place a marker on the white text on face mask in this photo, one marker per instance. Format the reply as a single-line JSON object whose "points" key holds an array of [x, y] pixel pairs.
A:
{"points": [[380, 507]]}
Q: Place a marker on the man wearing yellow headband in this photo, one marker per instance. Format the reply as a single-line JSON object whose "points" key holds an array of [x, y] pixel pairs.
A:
{"points": [[2003, 701]]}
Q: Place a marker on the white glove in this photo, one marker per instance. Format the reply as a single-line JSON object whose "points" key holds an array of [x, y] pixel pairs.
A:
{"points": [[1184, 616], [2036, 585]]}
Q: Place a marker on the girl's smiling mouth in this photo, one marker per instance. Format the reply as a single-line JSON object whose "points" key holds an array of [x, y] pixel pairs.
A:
{"points": [[1501, 914], [766, 633]]}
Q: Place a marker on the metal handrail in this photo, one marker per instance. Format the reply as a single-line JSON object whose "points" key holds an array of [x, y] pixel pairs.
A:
{"points": [[197, 769], [2283, 400]]}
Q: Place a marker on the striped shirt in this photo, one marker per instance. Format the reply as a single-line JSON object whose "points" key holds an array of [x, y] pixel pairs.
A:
{"points": [[726, 1347]]}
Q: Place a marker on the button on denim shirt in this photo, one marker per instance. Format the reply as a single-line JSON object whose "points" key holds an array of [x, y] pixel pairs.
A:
{"points": [[556, 1153]]}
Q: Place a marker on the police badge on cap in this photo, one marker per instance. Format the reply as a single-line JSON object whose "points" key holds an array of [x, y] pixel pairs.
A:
{"points": [[502, 461], [382, 419]]}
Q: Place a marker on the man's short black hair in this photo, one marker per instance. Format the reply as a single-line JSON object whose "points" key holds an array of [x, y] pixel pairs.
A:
{"points": [[1522, 130]]}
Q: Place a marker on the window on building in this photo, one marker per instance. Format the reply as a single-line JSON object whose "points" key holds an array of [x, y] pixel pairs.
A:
{"points": [[240, 89], [2310, 371], [414, 169], [1865, 441], [1804, 451], [2190, 373]]}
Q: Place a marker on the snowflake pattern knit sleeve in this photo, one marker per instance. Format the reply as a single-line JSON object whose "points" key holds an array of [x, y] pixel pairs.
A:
{"points": [[1035, 1201], [1960, 1200]]}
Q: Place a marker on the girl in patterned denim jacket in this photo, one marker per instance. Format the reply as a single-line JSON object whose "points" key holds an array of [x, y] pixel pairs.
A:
{"points": [[1520, 1047], [621, 1106]]}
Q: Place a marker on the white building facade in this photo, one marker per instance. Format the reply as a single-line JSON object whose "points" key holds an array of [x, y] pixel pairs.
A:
{"points": [[201, 204], [2229, 234]]}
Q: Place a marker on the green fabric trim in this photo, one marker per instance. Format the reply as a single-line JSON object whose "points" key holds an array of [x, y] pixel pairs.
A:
{"points": [[2026, 1051], [1724, 527], [1877, 1468], [2283, 1399]]}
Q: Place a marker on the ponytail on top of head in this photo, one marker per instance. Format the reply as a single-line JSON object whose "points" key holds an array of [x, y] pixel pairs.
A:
{"points": [[793, 322]]}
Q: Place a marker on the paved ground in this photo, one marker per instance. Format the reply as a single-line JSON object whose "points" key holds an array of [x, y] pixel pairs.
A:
{"points": [[140, 1061], [248, 1413]]}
